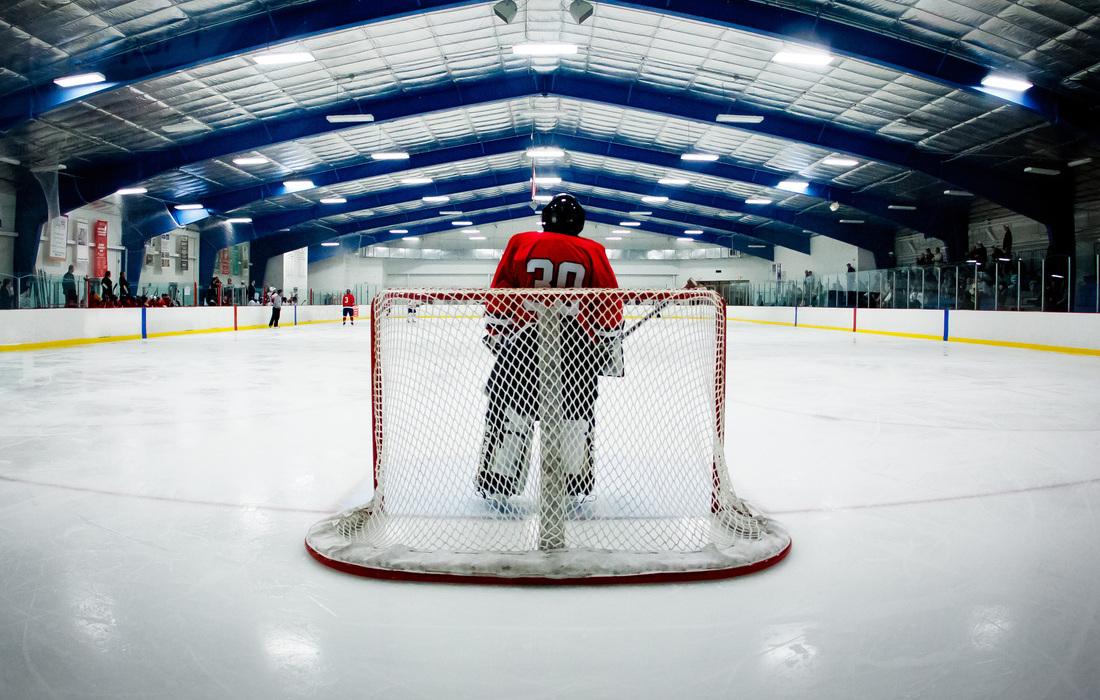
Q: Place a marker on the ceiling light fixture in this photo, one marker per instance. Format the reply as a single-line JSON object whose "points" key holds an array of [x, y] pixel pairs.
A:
{"points": [[349, 118], [333, 200], [548, 180], [250, 160], [902, 207], [9, 161], [673, 181], [182, 127], [803, 58], [957, 193], [640, 213], [757, 245], [544, 48], [842, 162], [580, 10], [436, 198], [477, 238], [450, 212], [283, 58], [398, 231], [546, 153], [1041, 171], [409, 238], [69, 81], [1071, 164], [834, 206], [852, 221], [390, 155], [1006, 82], [416, 181], [693, 231], [629, 224], [132, 190], [793, 185], [757, 200], [699, 157], [188, 207], [506, 10], [472, 231], [330, 244], [239, 220], [298, 185], [655, 199], [462, 223], [738, 119]]}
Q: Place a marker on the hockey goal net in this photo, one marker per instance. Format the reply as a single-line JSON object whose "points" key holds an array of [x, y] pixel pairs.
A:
{"points": [[549, 436]]}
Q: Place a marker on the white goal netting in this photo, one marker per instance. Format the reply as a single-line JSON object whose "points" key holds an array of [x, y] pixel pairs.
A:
{"points": [[549, 435]]}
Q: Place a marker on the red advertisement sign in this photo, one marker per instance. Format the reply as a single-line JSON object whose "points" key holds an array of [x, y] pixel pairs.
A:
{"points": [[99, 243]]}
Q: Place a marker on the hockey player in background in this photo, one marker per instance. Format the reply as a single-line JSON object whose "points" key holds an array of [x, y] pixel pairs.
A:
{"points": [[348, 303], [590, 331]]}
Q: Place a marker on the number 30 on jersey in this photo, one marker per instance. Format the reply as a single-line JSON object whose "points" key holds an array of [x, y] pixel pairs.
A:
{"points": [[568, 274]]}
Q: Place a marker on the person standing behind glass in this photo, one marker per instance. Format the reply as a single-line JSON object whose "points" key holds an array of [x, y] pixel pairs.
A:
{"points": [[276, 308], [68, 285]]}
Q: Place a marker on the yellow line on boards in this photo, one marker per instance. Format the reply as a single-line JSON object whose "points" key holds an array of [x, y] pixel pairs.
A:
{"points": [[825, 328], [1029, 346], [68, 343], [755, 320], [193, 331], [898, 334]]}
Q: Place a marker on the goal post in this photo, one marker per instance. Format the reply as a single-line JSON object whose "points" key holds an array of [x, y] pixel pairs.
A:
{"points": [[549, 436]]}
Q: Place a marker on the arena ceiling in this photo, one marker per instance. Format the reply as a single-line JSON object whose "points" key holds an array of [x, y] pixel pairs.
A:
{"points": [[854, 120]]}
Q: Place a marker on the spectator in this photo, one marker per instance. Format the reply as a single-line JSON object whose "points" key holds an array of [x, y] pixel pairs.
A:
{"points": [[108, 289], [937, 257], [123, 286], [7, 297], [276, 308], [250, 292], [68, 285], [850, 268], [1006, 243]]}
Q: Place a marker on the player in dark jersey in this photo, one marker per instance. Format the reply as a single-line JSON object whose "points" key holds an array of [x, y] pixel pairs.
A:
{"points": [[556, 257]]}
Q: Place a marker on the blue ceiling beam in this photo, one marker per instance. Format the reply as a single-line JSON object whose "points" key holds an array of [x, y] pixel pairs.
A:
{"points": [[886, 50], [90, 183], [261, 31]]}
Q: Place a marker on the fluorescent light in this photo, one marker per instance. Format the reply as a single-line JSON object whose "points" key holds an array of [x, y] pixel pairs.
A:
{"points": [[283, 58], [757, 245], [182, 127], [699, 157], [9, 161], [629, 224], [298, 185], [803, 58], [757, 200], [69, 81], [238, 220], [436, 199], [477, 238], [852, 221], [1072, 163], [539, 48], [842, 162], [250, 160], [957, 193], [654, 199], [1058, 277], [473, 231], [333, 200], [349, 118], [738, 119], [613, 238], [1042, 171], [693, 231], [903, 129], [902, 207], [542, 198], [390, 155], [547, 180], [416, 181], [132, 190], [1004, 82], [683, 239], [546, 153], [330, 244], [399, 230], [188, 207], [409, 238], [793, 185], [462, 223], [640, 213], [674, 181], [1005, 259], [450, 212]]}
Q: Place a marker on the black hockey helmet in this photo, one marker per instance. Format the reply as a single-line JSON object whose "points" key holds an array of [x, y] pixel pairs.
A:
{"points": [[563, 214]]}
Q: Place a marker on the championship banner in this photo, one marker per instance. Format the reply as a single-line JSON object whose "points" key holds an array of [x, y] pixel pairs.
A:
{"points": [[81, 240], [235, 260], [223, 261], [59, 237], [99, 242]]}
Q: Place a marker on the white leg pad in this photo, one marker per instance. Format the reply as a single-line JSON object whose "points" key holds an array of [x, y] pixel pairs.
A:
{"points": [[574, 446], [513, 448]]}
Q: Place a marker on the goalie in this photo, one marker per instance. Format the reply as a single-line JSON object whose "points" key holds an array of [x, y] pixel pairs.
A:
{"points": [[589, 346]]}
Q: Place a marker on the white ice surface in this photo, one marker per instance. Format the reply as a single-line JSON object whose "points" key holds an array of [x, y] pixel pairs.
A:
{"points": [[942, 501]]}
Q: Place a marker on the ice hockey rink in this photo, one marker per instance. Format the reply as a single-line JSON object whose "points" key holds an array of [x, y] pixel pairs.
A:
{"points": [[942, 500]]}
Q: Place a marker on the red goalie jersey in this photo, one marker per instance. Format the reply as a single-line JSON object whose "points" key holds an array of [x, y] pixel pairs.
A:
{"points": [[538, 260]]}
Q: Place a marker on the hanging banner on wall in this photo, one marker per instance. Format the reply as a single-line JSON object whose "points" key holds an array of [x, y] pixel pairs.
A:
{"points": [[59, 237], [235, 260], [223, 261], [81, 240], [99, 263]]}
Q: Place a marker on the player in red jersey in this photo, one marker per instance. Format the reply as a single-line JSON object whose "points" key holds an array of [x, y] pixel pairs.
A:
{"points": [[349, 311], [558, 258]]}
